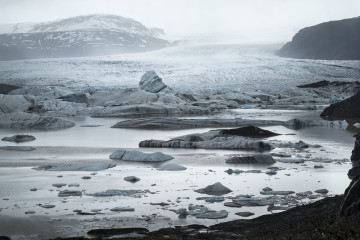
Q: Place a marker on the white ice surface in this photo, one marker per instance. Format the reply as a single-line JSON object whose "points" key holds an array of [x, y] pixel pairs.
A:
{"points": [[211, 68]]}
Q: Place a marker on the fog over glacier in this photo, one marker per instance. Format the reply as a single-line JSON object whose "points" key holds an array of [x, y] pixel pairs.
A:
{"points": [[246, 21]]}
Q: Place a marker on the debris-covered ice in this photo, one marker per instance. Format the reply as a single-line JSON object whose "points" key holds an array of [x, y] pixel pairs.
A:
{"points": [[137, 156]]}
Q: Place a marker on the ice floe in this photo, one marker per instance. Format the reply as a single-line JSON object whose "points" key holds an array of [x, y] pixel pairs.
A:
{"points": [[137, 156]]}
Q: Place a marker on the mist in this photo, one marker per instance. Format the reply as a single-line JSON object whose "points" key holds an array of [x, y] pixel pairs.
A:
{"points": [[231, 20]]}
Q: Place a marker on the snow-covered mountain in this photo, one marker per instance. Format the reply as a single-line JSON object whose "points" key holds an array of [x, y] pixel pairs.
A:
{"points": [[78, 36]]}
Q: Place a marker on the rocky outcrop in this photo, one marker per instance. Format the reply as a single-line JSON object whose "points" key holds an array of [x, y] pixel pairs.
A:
{"points": [[351, 204], [348, 108], [151, 82], [331, 40], [355, 158]]}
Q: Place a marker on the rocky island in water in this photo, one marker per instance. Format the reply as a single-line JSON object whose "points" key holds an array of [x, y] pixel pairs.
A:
{"points": [[187, 141]]}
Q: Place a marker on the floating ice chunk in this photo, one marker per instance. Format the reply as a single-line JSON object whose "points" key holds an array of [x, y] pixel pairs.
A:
{"points": [[122, 209], [116, 192], [17, 148], [137, 156], [244, 196], [244, 214], [94, 219], [14, 103], [292, 160], [73, 185], [214, 189], [77, 167], [59, 185], [172, 167], [232, 205], [252, 201], [151, 82], [298, 145], [322, 191], [280, 155], [47, 206], [300, 123], [214, 199], [235, 171], [213, 215], [182, 212], [68, 193], [276, 192], [302, 194], [253, 171], [131, 179], [271, 172], [272, 207], [255, 158], [28, 120], [19, 138], [198, 207]]}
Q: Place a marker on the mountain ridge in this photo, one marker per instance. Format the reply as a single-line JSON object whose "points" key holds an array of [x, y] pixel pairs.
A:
{"points": [[89, 35], [89, 22]]}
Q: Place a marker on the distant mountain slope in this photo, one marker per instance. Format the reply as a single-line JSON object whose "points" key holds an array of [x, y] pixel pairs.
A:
{"points": [[331, 40], [78, 36]]}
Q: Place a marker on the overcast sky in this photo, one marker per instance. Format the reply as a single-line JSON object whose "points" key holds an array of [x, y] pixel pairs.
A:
{"points": [[261, 20]]}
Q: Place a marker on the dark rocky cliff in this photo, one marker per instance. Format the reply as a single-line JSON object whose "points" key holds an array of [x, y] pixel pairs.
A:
{"points": [[348, 108], [330, 40]]}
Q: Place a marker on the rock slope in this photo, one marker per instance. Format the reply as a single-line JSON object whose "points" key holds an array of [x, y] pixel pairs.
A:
{"points": [[330, 40], [348, 108], [351, 204]]}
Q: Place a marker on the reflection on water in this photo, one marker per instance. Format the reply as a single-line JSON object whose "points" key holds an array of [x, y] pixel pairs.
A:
{"points": [[282, 115]]}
